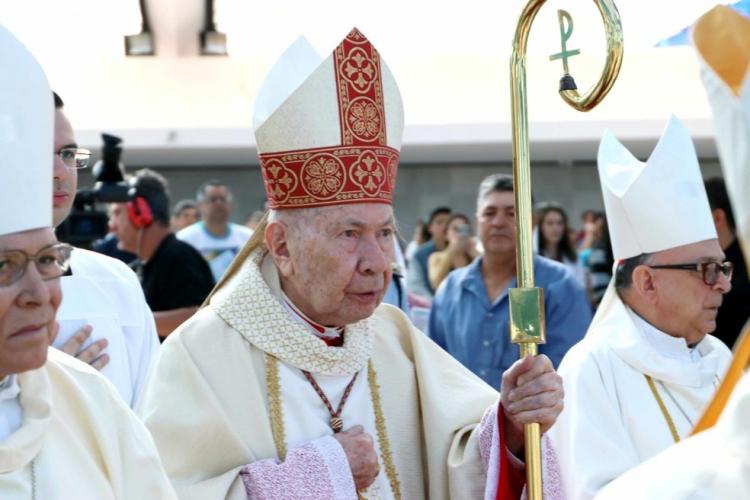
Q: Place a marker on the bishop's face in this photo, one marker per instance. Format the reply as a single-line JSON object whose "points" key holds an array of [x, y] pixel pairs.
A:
{"points": [[27, 307], [686, 306], [340, 264]]}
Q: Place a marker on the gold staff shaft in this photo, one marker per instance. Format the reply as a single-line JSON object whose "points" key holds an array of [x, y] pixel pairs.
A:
{"points": [[527, 302]]}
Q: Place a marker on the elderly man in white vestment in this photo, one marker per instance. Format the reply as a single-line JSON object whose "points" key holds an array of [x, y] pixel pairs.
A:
{"points": [[64, 431], [715, 463], [292, 383], [640, 379]]}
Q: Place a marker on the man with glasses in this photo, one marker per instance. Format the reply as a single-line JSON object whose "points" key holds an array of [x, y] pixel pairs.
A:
{"points": [[64, 431], [217, 239], [640, 379], [714, 462], [104, 319]]}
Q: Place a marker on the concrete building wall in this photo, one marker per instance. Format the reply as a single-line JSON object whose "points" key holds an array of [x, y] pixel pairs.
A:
{"points": [[420, 188]]}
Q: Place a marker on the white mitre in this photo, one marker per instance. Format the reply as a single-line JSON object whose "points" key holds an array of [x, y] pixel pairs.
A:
{"points": [[298, 106], [657, 204], [722, 39], [328, 131], [286, 75], [26, 139]]}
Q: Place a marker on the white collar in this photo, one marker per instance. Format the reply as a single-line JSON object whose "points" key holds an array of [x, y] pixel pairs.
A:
{"points": [[9, 388], [35, 397], [664, 343], [625, 337], [251, 303], [316, 328]]}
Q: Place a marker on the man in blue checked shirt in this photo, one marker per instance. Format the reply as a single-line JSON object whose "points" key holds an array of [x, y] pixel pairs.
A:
{"points": [[469, 316]]}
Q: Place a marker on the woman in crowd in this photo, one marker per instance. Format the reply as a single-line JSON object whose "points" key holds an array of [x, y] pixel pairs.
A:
{"points": [[421, 236], [554, 242], [600, 262], [460, 252]]}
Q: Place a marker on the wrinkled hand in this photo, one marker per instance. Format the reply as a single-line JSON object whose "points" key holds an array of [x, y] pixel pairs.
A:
{"points": [[531, 391], [360, 451], [92, 355]]}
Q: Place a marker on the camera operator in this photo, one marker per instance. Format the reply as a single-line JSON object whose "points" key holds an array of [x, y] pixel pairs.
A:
{"points": [[104, 319], [175, 277]]}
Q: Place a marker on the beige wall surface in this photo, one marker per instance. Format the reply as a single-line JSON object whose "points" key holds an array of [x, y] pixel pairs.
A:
{"points": [[420, 188]]}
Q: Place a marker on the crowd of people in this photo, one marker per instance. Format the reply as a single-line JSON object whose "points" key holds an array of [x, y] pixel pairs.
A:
{"points": [[304, 355]]}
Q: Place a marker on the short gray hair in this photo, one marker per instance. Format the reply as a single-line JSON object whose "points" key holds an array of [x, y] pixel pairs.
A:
{"points": [[295, 218], [495, 183], [625, 268]]}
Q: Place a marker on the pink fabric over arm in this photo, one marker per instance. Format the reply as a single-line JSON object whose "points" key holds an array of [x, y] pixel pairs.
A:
{"points": [[489, 446], [318, 469]]}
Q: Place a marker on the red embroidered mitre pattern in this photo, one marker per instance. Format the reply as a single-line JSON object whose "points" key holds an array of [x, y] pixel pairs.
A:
{"points": [[362, 167]]}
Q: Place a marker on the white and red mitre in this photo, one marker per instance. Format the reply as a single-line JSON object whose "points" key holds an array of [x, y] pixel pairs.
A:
{"points": [[657, 204], [329, 133], [722, 39], [27, 116]]}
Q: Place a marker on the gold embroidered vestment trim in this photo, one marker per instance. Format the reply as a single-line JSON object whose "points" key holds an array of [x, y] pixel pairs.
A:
{"points": [[276, 415], [663, 408]]}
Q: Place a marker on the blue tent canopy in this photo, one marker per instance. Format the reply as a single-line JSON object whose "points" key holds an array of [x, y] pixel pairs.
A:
{"points": [[683, 36]]}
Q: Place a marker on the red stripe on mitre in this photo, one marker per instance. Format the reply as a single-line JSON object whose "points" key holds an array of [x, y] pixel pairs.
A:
{"points": [[330, 176], [360, 91]]}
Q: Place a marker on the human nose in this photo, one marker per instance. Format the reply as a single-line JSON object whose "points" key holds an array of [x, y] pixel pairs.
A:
{"points": [[375, 259], [58, 167], [723, 284], [34, 290], [499, 220]]}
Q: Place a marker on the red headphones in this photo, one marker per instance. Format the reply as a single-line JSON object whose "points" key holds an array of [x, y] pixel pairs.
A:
{"points": [[139, 213]]}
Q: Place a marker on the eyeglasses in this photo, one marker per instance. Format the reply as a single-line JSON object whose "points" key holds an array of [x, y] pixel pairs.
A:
{"points": [[709, 270], [51, 262], [218, 199], [77, 158]]}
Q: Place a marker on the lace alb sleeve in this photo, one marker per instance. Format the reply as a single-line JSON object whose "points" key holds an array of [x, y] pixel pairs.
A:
{"points": [[318, 469]]}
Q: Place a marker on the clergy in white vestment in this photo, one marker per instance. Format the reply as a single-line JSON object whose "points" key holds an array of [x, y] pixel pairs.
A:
{"points": [[712, 465], [715, 463], [104, 318], [292, 382], [64, 431], [640, 379]]}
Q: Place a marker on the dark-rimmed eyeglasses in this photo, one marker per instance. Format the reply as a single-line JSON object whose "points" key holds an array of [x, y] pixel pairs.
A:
{"points": [[77, 158], [51, 262], [709, 270]]}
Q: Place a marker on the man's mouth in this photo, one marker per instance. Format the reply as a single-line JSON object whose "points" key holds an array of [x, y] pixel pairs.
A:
{"points": [[30, 330], [60, 197], [366, 297]]}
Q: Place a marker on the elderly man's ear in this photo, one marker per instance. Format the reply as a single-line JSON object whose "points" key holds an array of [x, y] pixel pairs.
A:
{"points": [[644, 282], [277, 242]]}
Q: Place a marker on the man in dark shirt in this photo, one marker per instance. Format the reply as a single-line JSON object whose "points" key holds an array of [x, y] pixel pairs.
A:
{"points": [[175, 277], [735, 309]]}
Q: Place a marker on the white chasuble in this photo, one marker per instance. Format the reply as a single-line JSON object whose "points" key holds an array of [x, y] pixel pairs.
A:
{"points": [[77, 440], [306, 418], [227, 403], [631, 391], [711, 465]]}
